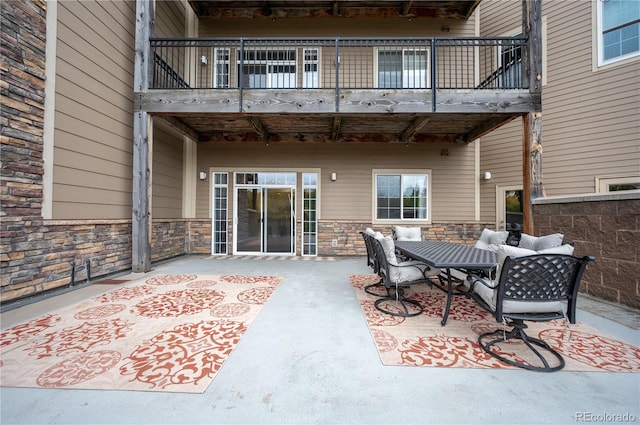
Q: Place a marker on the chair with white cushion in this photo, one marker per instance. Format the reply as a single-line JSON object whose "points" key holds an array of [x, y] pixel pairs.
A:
{"points": [[402, 233], [529, 286], [396, 276]]}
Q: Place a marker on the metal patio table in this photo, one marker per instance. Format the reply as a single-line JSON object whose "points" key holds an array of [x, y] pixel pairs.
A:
{"points": [[447, 256]]}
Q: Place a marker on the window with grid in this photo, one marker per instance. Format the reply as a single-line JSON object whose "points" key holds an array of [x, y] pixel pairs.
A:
{"points": [[310, 214], [401, 196], [618, 30], [403, 68], [220, 208]]}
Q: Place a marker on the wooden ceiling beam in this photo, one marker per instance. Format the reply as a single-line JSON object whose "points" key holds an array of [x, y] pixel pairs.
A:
{"points": [[416, 125], [335, 130], [260, 129]]}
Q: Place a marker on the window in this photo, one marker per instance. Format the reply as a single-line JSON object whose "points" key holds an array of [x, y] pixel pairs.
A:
{"points": [[618, 30], [220, 204], [401, 196], [310, 78], [406, 68], [221, 69], [616, 184], [310, 214], [261, 69]]}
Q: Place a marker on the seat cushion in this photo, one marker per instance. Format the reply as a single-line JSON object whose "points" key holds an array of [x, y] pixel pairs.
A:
{"points": [[538, 243], [402, 233], [369, 231], [411, 270], [490, 239]]}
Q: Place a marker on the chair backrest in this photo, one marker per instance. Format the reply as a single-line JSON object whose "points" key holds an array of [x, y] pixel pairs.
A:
{"points": [[381, 262], [371, 260], [530, 287]]}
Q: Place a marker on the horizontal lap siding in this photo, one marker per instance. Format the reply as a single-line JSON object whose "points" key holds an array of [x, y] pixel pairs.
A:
{"points": [[351, 196], [94, 110], [590, 121], [589, 117], [167, 175]]}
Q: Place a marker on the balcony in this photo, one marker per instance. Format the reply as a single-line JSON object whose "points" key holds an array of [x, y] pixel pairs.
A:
{"points": [[331, 89]]}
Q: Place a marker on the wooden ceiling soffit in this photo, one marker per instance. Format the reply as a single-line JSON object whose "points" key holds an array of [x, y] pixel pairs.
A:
{"points": [[219, 137], [179, 126], [441, 9]]}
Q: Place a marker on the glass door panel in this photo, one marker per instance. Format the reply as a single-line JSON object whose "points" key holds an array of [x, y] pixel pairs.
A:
{"points": [[278, 223], [249, 229]]}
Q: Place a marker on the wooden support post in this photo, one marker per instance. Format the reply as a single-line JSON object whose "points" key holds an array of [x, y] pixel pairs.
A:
{"points": [[532, 122], [142, 142], [141, 211], [531, 166]]}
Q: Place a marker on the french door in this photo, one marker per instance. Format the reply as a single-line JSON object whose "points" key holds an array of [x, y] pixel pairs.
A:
{"points": [[264, 221]]}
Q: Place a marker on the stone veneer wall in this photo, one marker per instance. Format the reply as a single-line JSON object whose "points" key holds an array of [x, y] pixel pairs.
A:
{"points": [[606, 226], [350, 242], [43, 255]]}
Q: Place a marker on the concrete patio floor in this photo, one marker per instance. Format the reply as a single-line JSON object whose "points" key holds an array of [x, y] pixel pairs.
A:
{"points": [[309, 359]]}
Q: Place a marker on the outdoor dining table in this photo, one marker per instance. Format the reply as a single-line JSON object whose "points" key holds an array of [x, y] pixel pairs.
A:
{"points": [[448, 256]]}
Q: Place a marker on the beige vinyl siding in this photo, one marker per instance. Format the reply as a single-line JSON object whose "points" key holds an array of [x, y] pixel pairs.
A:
{"points": [[170, 19], [167, 175], [94, 110], [351, 196], [501, 155], [589, 117]]}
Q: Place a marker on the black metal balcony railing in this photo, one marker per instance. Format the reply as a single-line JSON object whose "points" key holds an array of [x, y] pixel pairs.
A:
{"points": [[339, 63]]}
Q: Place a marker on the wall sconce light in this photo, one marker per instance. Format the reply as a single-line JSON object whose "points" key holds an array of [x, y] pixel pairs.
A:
{"points": [[203, 175], [334, 177], [487, 175], [203, 60], [444, 152]]}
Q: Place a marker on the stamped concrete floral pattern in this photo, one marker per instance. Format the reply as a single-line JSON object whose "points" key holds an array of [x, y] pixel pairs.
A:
{"points": [[163, 333], [422, 341]]}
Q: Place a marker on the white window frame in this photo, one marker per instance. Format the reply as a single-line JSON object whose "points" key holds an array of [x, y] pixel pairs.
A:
{"points": [[401, 173], [306, 75], [600, 39], [217, 61], [404, 83], [269, 63], [604, 183]]}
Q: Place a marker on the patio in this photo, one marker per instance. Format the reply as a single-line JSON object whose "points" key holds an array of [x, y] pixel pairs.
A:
{"points": [[309, 358]]}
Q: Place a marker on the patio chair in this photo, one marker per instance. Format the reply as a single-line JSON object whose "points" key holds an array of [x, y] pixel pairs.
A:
{"points": [[396, 276], [377, 288], [540, 287]]}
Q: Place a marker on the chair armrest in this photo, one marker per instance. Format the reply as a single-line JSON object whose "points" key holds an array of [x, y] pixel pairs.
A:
{"points": [[473, 279]]}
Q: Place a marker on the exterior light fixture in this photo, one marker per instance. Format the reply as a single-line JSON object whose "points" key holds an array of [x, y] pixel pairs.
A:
{"points": [[203, 175], [487, 175], [334, 177]]}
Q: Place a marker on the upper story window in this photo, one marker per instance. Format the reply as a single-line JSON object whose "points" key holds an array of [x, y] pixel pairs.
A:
{"points": [[403, 68], [401, 196], [268, 69], [618, 30]]}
